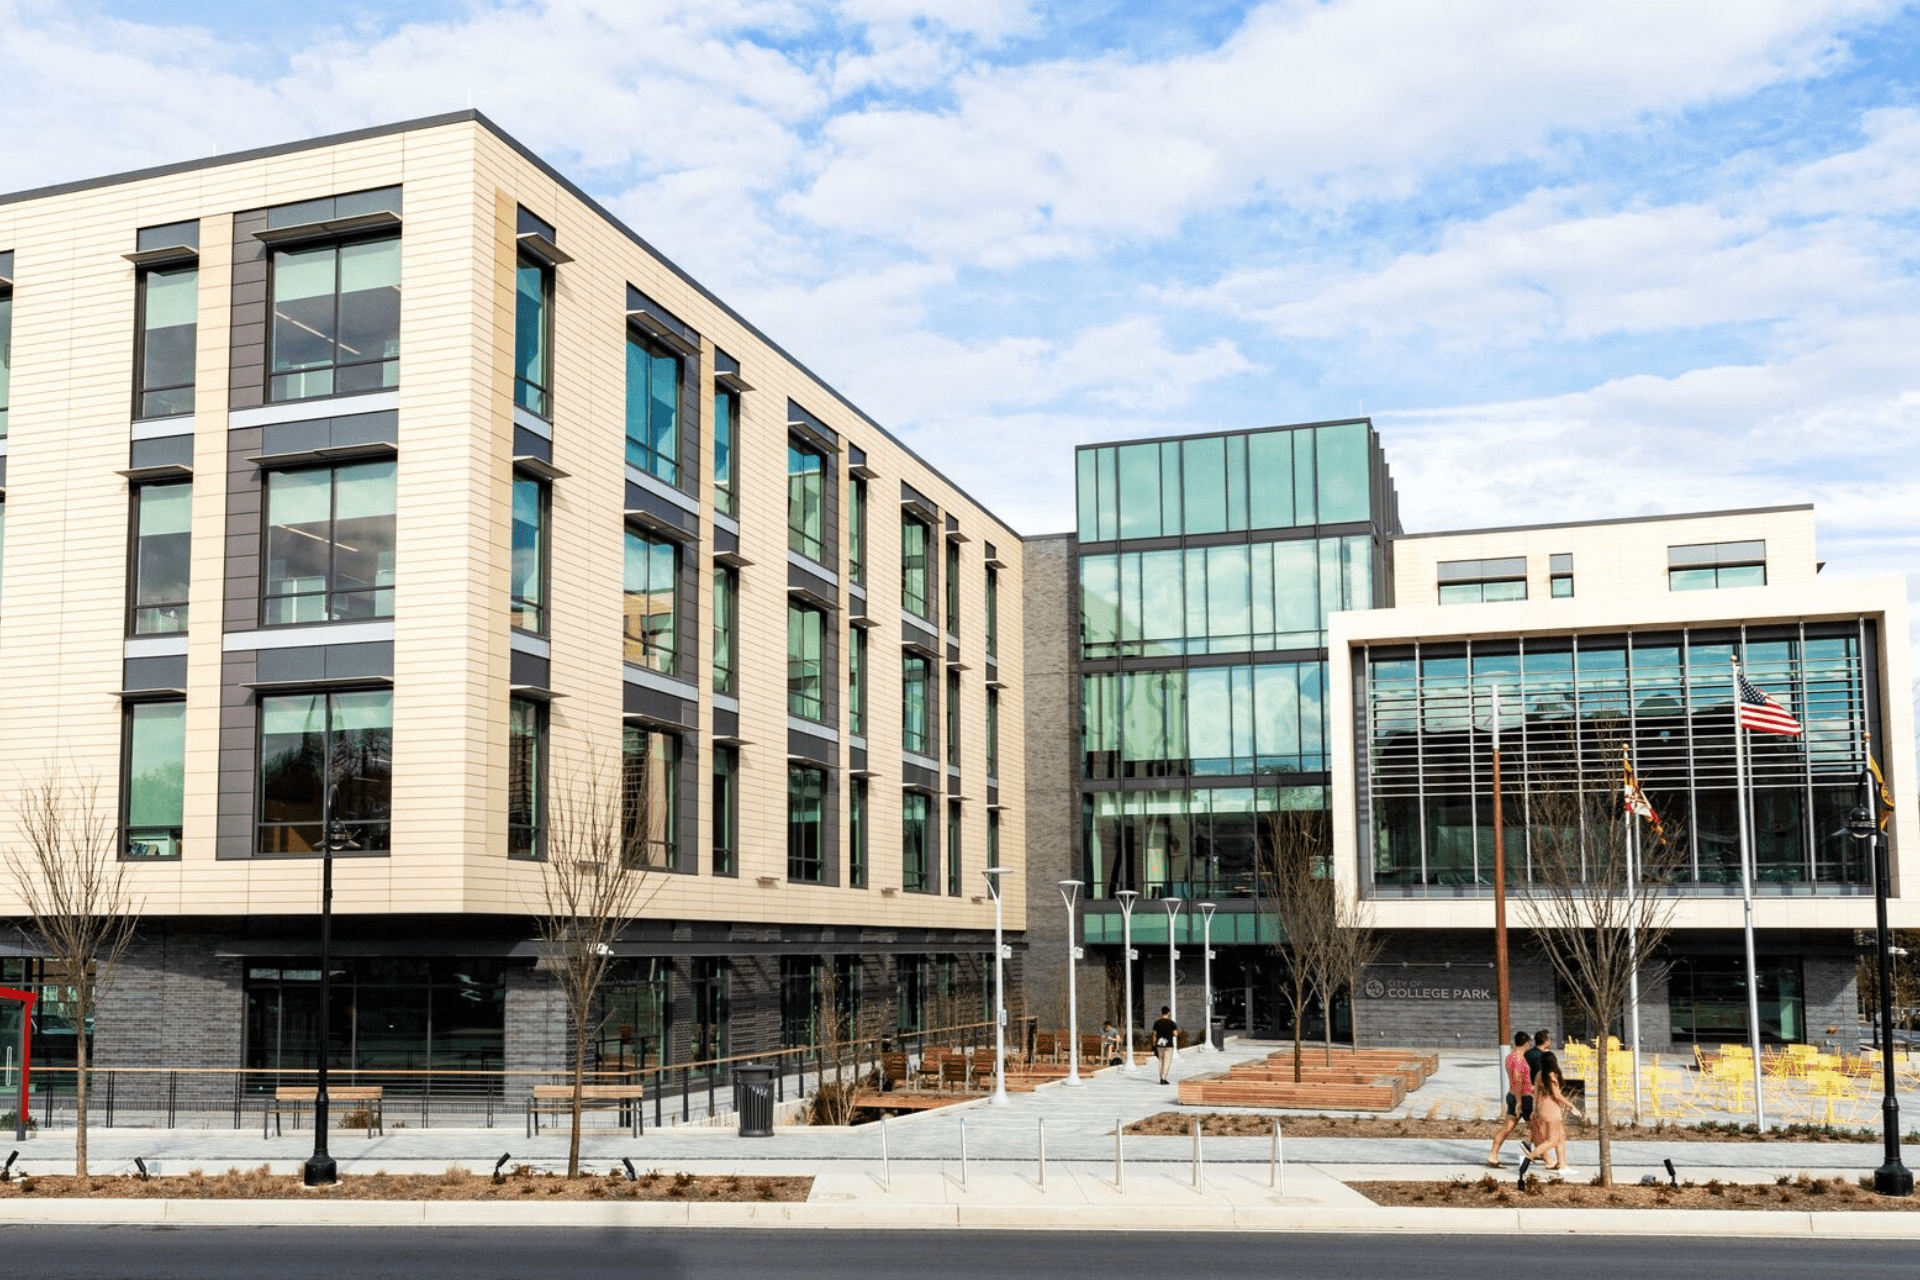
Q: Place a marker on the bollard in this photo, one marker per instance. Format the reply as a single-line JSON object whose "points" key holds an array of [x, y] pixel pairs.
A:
{"points": [[1119, 1159], [1196, 1154], [963, 1153], [1275, 1180], [886, 1161], [1043, 1153]]}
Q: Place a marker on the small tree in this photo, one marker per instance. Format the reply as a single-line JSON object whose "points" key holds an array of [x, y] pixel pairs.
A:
{"points": [[1300, 892], [1594, 922], [66, 867], [593, 884], [1353, 944]]}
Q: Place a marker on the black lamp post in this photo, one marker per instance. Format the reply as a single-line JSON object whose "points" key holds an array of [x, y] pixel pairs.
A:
{"points": [[1892, 1178], [319, 1171]]}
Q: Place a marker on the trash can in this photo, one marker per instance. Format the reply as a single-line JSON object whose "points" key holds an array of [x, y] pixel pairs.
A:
{"points": [[753, 1100], [1217, 1033]]}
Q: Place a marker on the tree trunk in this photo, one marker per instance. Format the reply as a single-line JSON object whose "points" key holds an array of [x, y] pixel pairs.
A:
{"points": [[80, 1080], [1326, 1030], [1299, 1013], [579, 1080], [1603, 1098]]}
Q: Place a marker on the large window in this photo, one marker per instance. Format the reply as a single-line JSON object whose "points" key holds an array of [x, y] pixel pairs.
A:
{"points": [[726, 811], [799, 1000], [953, 848], [330, 544], [155, 785], [1707, 1000], [915, 572], [726, 605], [650, 798], [528, 585], [806, 500], [393, 1013], [336, 319], [806, 822], [916, 870], [652, 584], [1482, 581], [1705, 566], [653, 408], [163, 365], [326, 758], [857, 833], [915, 732], [726, 422], [857, 681], [806, 658], [712, 975], [857, 533], [526, 777], [1205, 721], [533, 336], [162, 522]]}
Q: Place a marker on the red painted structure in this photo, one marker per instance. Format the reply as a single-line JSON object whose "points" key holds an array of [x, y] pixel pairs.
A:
{"points": [[26, 999]]}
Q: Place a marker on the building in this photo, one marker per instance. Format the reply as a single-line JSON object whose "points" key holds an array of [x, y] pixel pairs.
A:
{"points": [[369, 489]]}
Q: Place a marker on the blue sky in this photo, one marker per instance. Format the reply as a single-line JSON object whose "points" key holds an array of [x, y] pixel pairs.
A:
{"points": [[1576, 260]]}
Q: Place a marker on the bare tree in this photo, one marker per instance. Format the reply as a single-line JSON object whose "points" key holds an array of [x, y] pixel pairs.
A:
{"points": [[838, 1026], [1594, 922], [1353, 944], [593, 884], [1300, 893], [66, 867]]}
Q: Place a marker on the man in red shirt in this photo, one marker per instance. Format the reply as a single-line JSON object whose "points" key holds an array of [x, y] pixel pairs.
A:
{"points": [[1519, 1096]]}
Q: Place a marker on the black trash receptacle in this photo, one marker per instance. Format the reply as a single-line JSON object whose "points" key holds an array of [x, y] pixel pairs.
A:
{"points": [[753, 1100], [1217, 1032]]}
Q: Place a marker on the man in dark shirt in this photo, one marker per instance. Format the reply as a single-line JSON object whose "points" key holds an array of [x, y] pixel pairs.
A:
{"points": [[1542, 1041], [1164, 1030]]}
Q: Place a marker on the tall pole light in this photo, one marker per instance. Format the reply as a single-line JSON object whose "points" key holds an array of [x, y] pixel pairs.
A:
{"points": [[1206, 968], [999, 1098], [1070, 894], [1892, 1178], [320, 1171], [1173, 906], [1127, 898], [1501, 990]]}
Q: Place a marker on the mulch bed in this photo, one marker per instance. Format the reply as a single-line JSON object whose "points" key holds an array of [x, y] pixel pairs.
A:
{"points": [[522, 1183], [1178, 1124], [1801, 1194]]}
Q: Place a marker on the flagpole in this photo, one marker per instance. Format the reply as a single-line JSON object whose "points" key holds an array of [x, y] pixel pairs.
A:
{"points": [[1633, 942], [1746, 895]]}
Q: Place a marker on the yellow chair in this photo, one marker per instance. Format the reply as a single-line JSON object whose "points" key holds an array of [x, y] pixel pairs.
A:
{"points": [[1831, 1089]]}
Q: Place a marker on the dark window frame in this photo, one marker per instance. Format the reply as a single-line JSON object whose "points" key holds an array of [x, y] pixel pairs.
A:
{"points": [[137, 495], [129, 834], [141, 391], [533, 845], [333, 519], [542, 393], [274, 253]]}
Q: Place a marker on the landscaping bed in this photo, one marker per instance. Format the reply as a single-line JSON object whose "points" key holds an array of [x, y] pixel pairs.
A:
{"points": [[522, 1183], [1801, 1194], [1179, 1124]]}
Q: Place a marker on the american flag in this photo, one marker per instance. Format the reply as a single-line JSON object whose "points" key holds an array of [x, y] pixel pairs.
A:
{"points": [[1760, 713]]}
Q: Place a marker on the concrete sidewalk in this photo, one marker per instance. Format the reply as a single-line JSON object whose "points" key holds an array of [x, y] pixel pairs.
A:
{"points": [[911, 1172]]}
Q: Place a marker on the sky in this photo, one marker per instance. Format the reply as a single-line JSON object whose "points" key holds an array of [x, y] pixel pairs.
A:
{"points": [[1576, 260]]}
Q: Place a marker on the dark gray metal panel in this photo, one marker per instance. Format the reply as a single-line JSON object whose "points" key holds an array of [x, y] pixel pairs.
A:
{"points": [[638, 301], [925, 505], [726, 724], [993, 794], [915, 634], [686, 850], [359, 661], [662, 707], [382, 427], [531, 444], [277, 666], [244, 497], [857, 759], [528, 669], [724, 363], [725, 541], [658, 508], [167, 451], [3, 471], [247, 352], [325, 432], [953, 652], [6, 263], [810, 582], [808, 427], [915, 775], [168, 671], [234, 837], [692, 403], [809, 747]]}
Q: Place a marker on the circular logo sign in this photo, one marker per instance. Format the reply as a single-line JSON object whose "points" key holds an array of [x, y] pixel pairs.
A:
{"points": [[1376, 989]]}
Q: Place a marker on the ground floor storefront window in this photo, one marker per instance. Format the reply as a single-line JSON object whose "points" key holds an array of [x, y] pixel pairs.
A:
{"points": [[1708, 999], [385, 1015]]}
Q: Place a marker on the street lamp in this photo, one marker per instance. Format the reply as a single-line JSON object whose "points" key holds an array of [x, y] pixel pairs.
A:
{"points": [[319, 1170], [1206, 968], [1173, 906], [1069, 894], [999, 1098], [1892, 1178], [1127, 898]]}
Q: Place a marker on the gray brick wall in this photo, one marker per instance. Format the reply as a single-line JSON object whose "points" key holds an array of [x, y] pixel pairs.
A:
{"points": [[173, 1003]]}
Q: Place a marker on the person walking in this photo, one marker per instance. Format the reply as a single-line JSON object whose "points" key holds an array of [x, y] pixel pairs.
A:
{"points": [[1164, 1030], [1519, 1097], [1550, 1105], [1536, 1131], [1109, 1044]]}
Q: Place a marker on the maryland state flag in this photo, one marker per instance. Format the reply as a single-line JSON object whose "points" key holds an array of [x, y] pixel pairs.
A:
{"points": [[1880, 781], [1634, 799]]}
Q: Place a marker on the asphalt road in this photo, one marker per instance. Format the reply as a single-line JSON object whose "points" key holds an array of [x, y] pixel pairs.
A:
{"points": [[294, 1253]]}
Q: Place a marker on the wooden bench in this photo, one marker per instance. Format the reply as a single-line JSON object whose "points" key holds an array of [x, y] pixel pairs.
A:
{"points": [[298, 1100], [1383, 1094], [557, 1099]]}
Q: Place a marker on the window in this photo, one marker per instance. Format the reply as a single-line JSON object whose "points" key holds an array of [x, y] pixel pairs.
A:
{"points": [[857, 681], [1477, 581], [330, 539], [806, 500], [326, 758], [993, 838], [155, 788], [726, 604], [526, 777], [726, 811], [653, 408], [163, 363], [953, 588], [914, 736], [915, 813], [806, 643], [162, 519], [993, 612], [857, 533], [914, 569], [857, 833], [711, 976], [1707, 565], [993, 733], [953, 850], [806, 803], [652, 579], [953, 717], [726, 414], [533, 336], [336, 319], [1560, 576], [650, 798], [528, 584], [799, 999]]}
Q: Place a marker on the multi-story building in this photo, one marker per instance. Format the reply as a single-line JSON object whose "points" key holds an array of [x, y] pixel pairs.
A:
{"points": [[370, 489]]}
